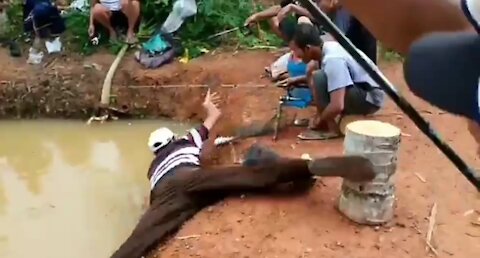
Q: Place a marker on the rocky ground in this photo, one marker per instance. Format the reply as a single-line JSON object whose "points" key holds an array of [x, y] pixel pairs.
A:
{"points": [[255, 226]]}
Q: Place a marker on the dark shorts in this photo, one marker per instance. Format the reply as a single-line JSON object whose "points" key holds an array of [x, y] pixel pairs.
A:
{"points": [[287, 27], [357, 33], [355, 96], [119, 20], [45, 19]]}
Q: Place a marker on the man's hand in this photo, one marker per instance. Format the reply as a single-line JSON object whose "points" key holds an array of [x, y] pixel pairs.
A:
{"points": [[91, 30], [250, 20], [291, 82], [284, 12], [316, 123], [329, 6], [211, 103]]}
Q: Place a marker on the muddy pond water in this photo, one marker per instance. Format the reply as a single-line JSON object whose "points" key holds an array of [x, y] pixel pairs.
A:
{"points": [[68, 190]]}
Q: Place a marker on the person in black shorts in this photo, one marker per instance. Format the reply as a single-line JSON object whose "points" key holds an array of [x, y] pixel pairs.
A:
{"points": [[281, 22], [115, 15]]}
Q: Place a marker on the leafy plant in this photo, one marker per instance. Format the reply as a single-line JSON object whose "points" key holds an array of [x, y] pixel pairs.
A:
{"points": [[212, 16], [15, 19]]}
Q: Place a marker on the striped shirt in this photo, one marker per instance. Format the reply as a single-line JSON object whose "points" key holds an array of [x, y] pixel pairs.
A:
{"points": [[183, 151]]}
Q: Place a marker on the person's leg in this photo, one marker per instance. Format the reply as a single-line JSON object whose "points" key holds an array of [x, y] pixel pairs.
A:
{"points": [[131, 9], [168, 210], [102, 16], [342, 19], [318, 84], [362, 39], [356, 101]]}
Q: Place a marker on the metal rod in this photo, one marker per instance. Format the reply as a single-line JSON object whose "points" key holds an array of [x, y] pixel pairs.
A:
{"points": [[245, 85], [277, 119], [401, 102]]}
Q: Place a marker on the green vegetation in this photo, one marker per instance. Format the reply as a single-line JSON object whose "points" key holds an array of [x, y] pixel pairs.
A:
{"points": [[389, 55], [212, 17]]}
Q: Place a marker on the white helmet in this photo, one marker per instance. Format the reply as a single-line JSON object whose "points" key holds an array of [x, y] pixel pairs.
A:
{"points": [[160, 138]]}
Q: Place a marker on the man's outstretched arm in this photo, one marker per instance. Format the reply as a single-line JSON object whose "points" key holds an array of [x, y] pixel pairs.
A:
{"points": [[398, 23], [199, 135]]}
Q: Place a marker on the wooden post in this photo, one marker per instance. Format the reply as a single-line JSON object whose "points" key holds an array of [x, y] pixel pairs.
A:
{"points": [[372, 202]]}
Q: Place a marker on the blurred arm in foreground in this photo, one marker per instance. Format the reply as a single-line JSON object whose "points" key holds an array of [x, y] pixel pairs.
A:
{"points": [[398, 23], [443, 50]]}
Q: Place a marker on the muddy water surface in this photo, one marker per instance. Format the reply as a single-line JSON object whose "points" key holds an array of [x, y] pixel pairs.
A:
{"points": [[71, 190]]}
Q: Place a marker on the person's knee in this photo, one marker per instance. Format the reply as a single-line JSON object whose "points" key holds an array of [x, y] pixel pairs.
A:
{"points": [[99, 10], [131, 4]]}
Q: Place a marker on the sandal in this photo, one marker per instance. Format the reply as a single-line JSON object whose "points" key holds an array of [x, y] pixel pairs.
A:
{"points": [[311, 135]]}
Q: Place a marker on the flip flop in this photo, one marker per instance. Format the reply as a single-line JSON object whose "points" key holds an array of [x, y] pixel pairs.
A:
{"points": [[311, 135]]}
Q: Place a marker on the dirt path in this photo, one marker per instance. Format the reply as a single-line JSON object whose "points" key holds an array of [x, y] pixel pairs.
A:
{"points": [[300, 226]]}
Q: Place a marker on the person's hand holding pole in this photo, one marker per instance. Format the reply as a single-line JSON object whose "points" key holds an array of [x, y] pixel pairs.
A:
{"points": [[250, 20]]}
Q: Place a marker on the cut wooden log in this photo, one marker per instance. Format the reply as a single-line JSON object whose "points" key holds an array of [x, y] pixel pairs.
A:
{"points": [[347, 119], [371, 202]]}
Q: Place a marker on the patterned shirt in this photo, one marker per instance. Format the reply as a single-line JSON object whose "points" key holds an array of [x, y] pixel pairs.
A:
{"points": [[183, 151]]}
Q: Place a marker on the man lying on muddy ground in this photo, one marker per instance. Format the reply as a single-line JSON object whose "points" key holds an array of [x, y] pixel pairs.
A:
{"points": [[114, 15], [340, 88], [181, 187]]}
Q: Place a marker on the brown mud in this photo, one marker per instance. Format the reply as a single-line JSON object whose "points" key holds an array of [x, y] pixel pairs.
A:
{"points": [[298, 226]]}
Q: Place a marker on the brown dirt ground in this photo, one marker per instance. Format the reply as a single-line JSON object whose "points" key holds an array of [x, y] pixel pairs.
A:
{"points": [[256, 226]]}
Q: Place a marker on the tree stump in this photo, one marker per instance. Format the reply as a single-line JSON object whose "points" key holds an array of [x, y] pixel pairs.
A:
{"points": [[372, 202]]}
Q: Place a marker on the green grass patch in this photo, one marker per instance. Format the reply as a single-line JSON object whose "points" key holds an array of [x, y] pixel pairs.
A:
{"points": [[213, 16]]}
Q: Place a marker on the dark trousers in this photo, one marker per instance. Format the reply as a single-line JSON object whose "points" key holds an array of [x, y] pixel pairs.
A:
{"points": [[179, 196], [357, 33], [355, 96]]}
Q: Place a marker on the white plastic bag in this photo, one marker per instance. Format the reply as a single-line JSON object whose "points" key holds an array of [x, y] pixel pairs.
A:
{"points": [[81, 5], [53, 46], [34, 56], [280, 65], [181, 10]]}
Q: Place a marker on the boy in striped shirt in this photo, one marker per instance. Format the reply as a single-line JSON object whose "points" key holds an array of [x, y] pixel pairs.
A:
{"points": [[181, 187]]}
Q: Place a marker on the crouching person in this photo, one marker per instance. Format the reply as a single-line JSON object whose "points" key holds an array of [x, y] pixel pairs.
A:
{"points": [[42, 20], [180, 186], [114, 15], [341, 87]]}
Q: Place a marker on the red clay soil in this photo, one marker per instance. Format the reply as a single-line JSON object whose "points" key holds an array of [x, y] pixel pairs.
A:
{"points": [[308, 225]]}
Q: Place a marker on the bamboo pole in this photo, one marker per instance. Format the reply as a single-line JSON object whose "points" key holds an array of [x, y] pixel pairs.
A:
{"points": [[107, 83]]}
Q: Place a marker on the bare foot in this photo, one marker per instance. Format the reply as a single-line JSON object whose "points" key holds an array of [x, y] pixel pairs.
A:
{"points": [[131, 39]]}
